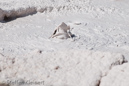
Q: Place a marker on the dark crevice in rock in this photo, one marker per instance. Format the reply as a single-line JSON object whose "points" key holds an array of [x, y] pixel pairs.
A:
{"points": [[21, 12], [98, 83], [7, 16], [7, 19]]}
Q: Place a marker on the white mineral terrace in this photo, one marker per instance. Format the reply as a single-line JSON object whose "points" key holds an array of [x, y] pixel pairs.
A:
{"points": [[64, 42]]}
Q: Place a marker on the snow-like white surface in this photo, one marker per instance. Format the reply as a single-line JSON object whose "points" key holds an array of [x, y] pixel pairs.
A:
{"points": [[32, 32], [101, 25], [117, 76], [70, 68]]}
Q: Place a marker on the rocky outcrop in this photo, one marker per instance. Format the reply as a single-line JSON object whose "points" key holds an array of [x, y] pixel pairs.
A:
{"points": [[13, 9], [117, 76], [62, 68]]}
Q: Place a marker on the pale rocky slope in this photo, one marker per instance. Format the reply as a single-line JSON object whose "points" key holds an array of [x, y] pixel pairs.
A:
{"points": [[67, 68], [27, 53], [18, 8], [117, 76]]}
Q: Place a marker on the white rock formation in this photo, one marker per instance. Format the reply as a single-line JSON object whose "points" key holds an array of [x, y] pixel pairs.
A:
{"points": [[99, 25], [62, 68], [17, 8], [117, 76], [62, 32]]}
